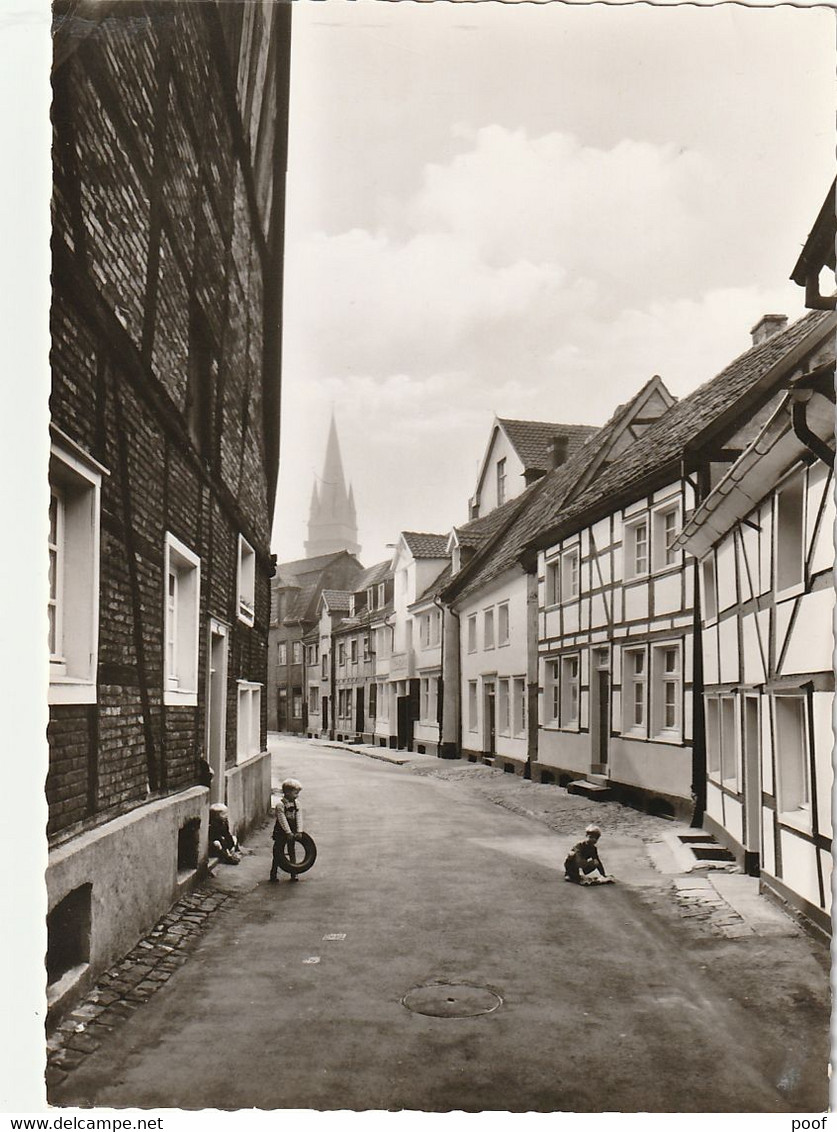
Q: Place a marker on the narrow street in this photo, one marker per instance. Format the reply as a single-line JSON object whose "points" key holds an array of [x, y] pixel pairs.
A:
{"points": [[611, 1000]]}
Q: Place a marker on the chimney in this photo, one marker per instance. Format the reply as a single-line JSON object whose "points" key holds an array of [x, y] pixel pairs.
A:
{"points": [[767, 326], [557, 450]]}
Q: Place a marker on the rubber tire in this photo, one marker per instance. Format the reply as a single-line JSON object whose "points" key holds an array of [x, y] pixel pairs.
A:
{"points": [[309, 857]]}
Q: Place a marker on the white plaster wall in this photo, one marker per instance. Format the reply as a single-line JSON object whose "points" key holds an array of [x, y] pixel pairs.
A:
{"points": [[653, 766], [248, 793], [754, 672], [567, 749], [733, 819], [799, 866], [768, 845], [765, 521], [714, 803], [766, 746], [725, 572], [636, 602], [811, 643], [728, 651], [827, 869], [487, 487], [667, 594]]}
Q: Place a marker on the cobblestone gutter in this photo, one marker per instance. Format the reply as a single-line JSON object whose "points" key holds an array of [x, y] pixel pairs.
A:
{"points": [[132, 981]]}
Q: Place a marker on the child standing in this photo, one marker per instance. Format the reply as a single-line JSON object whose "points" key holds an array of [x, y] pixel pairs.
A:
{"points": [[583, 858], [288, 821]]}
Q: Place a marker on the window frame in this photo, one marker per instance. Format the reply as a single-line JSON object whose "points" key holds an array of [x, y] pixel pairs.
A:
{"points": [[570, 702], [473, 707], [488, 621], [248, 720], [660, 552], [709, 587], [503, 631], [519, 707], [800, 813], [246, 578], [638, 679], [75, 479], [552, 582], [501, 481], [784, 587], [504, 720], [663, 679], [180, 687], [630, 527], [472, 632]]}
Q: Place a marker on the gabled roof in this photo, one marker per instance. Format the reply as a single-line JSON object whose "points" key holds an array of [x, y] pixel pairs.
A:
{"points": [[531, 440], [337, 600], [423, 545], [538, 506], [373, 575], [679, 435], [299, 566]]}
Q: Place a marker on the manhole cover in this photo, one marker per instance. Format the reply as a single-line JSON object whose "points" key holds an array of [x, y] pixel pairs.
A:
{"points": [[456, 1000]]}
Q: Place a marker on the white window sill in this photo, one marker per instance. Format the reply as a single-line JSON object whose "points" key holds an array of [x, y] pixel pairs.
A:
{"points": [[668, 737], [797, 819], [503, 644], [67, 690], [635, 733], [172, 698], [246, 618]]}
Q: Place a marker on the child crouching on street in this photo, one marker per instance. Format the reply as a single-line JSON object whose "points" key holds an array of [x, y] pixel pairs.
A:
{"points": [[288, 822], [583, 859]]}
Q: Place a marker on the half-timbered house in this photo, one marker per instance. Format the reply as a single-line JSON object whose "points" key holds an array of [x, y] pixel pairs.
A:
{"points": [[620, 653]]}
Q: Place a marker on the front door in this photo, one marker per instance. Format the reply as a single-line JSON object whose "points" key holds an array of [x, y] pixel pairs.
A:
{"points": [[216, 707], [752, 786], [359, 720], [490, 720], [405, 723], [324, 705], [600, 714]]}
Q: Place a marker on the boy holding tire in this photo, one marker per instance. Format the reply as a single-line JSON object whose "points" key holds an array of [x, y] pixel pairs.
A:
{"points": [[288, 825]]}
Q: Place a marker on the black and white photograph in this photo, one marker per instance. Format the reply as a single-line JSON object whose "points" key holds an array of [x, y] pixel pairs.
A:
{"points": [[420, 517]]}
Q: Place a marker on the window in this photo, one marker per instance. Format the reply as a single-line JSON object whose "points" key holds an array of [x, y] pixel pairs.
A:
{"points": [[424, 696], [314, 700], [435, 627], [182, 573], [366, 646], [373, 700], [384, 640], [551, 688], [519, 707], [666, 528], [472, 633], [569, 574], [324, 666], [353, 650], [553, 582], [503, 707], [424, 630], [341, 652], [283, 652], [730, 762], [472, 705], [667, 690], [383, 702], [790, 522], [634, 683], [297, 703], [488, 629], [382, 599], [370, 598], [710, 588], [249, 720], [246, 581], [569, 690], [311, 655], [792, 754], [429, 699], [297, 652], [456, 559], [713, 736], [73, 603], [503, 623], [636, 548], [501, 482]]}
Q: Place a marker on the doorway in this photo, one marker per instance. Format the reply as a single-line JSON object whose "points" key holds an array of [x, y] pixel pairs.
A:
{"points": [[359, 720], [599, 710], [216, 708], [752, 785], [490, 740]]}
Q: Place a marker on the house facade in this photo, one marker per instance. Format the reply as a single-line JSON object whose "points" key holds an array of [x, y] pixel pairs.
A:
{"points": [[164, 455], [621, 660], [764, 540]]}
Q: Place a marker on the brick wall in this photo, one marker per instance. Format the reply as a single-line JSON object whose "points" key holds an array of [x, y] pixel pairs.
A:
{"points": [[162, 257]]}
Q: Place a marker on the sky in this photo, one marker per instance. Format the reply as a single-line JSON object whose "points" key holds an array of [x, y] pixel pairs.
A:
{"points": [[528, 210]]}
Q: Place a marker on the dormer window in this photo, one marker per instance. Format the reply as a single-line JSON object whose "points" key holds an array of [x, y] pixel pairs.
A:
{"points": [[382, 594], [370, 597], [351, 605]]}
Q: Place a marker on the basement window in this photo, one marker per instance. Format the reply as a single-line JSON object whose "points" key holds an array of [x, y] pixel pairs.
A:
{"points": [[68, 935]]}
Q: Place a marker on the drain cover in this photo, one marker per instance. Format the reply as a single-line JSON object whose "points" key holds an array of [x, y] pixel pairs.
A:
{"points": [[451, 1000]]}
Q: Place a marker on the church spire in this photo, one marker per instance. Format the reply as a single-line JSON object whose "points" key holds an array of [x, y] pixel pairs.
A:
{"points": [[332, 522]]}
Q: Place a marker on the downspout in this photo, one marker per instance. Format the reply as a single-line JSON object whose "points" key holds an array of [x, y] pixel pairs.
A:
{"points": [[799, 417], [440, 701], [450, 747], [698, 707]]}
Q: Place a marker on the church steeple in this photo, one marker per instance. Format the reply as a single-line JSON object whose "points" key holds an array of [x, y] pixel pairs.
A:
{"points": [[332, 521]]}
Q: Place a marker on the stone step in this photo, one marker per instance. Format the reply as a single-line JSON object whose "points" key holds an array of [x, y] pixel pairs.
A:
{"points": [[599, 779], [593, 790]]}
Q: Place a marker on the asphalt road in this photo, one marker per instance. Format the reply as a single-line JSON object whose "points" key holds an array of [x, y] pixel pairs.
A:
{"points": [[603, 1007]]}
